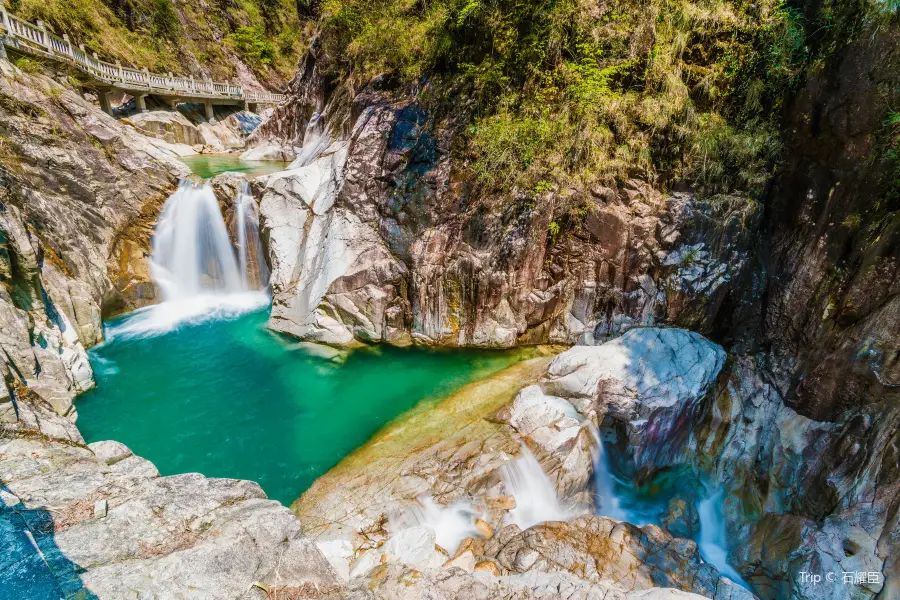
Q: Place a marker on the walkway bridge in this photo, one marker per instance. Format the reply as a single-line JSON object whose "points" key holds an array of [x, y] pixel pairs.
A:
{"points": [[34, 39]]}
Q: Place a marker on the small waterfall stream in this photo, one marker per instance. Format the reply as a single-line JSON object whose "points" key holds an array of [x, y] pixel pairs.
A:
{"points": [[625, 501], [252, 262], [535, 495], [713, 543], [451, 524]]}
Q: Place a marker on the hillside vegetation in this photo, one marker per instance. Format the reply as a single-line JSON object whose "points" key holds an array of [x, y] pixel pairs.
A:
{"points": [[181, 36], [567, 94]]}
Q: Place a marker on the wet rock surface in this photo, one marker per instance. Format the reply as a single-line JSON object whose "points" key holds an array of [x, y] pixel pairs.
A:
{"points": [[458, 451]]}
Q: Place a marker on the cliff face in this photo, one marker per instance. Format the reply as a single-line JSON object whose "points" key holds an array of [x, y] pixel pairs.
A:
{"points": [[798, 281], [72, 179], [832, 249], [451, 267]]}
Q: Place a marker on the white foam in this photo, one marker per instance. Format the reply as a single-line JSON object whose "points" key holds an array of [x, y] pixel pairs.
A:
{"points": [[451, 524], [173, 314]]}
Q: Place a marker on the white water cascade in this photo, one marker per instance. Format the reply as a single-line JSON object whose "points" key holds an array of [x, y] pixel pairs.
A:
{"points": [[451, 524], [535, 495], [252, 263], [713, 544], [609, 504], [194, 266], [192, 254]]}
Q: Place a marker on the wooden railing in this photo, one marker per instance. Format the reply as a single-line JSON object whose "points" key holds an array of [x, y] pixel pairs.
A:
{"points": [[36, 39]]}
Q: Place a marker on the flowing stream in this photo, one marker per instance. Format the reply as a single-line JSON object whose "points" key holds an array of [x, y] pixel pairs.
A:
{"points": [[642, 505]]}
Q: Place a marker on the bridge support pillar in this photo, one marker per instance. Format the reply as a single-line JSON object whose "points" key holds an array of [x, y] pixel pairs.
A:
{"points": [[104, 102], [140, 101], [251, 107], [210, 115]]}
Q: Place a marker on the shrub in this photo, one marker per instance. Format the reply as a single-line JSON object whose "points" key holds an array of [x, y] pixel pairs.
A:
{"points": [[253, 45]]}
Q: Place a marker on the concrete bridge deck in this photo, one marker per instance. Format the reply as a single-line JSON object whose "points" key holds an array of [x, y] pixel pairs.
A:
{"points": [[107, 78]]}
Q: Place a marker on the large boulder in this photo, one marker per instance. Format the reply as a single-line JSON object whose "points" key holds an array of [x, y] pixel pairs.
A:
{"points": [[115, 526], [170, 126], [602, 549], [325, 261]]}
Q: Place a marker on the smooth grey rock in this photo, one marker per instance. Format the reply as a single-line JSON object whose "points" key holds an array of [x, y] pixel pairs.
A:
{"points": [[114, 530], [110, 451]]}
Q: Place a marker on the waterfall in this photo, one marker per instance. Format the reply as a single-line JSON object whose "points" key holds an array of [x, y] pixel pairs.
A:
{"points": [[252, 262], [194, 265], [315, 141], [535, 495], [713, 544], [609, 504], [451, 524], [192, 254], [240, 210]]}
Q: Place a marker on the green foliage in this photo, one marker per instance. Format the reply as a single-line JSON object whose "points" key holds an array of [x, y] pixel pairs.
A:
{"points": [[573, 92], [553, 229], [164, 20], [28, 65], [253, 45]]}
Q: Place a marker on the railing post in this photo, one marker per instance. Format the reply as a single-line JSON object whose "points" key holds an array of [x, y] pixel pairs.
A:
{"points": [[193, 87], [146, 76], [68, 44], [119, 67], [169, 81], [46, 35]]}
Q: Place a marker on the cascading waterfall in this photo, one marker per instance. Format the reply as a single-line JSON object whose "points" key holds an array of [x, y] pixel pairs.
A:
{"points": [[252, 263], [609, 504], [535, 496], [315, 141], [713, 544], [192, 254], [240, 210], [194, 265]]}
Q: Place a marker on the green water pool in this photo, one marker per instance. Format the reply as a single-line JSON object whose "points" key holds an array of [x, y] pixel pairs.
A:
{"points": [[227, 398], [210, 165]]}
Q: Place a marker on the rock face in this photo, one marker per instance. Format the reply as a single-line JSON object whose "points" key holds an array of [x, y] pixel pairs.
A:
{"points": [[186, 131], [72, 178], [170, 126], [96, 521], [600, 549], [444, 267], [396, 582], [804, 495]]}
